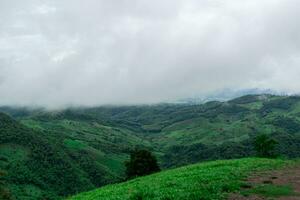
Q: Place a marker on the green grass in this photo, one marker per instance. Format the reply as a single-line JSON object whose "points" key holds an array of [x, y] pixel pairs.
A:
{"points": [[268, 190], [209, 181], [254, 105], [74, 144]]}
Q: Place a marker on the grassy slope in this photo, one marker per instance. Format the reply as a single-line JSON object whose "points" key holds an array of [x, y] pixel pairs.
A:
{"points": [[211, 180]]}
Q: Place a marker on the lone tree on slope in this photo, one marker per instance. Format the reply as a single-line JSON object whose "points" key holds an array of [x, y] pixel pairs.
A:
{"points": [[141, 163]]}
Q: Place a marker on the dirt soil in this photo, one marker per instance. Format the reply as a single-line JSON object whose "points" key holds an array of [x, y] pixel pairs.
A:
{"points": [[288, 176]]}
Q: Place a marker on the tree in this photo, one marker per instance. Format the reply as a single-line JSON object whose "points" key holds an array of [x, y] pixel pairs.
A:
{"points": [[141, 163], [265, 146]]}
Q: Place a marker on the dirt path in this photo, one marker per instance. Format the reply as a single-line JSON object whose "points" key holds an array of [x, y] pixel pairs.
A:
{"points": [[289, 177]]}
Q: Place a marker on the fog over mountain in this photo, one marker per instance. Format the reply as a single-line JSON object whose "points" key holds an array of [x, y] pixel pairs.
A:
{"points": [[73, 52]]}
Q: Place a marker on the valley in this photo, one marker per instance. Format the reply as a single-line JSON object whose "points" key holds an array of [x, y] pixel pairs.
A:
{"points": [[55, 154]]}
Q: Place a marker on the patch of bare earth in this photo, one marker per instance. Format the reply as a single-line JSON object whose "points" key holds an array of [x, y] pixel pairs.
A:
{"points": [[289, 176]]}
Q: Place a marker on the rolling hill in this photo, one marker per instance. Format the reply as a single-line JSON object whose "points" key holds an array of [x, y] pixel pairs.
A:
{"points": [[45, 164], [85, 148], [207, 181]]}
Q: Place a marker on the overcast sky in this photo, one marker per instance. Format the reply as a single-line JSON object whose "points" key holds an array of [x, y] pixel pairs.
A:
{"points": [[92, 52]]}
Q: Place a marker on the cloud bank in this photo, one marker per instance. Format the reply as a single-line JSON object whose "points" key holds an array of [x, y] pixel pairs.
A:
{"points": [[74, 52]]}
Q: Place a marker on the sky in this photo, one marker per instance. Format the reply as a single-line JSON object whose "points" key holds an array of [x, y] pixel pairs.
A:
{"points": [[92, 52]]}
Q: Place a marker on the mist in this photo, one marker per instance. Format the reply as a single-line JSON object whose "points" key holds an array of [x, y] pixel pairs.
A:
{"points": [[95, 52]]}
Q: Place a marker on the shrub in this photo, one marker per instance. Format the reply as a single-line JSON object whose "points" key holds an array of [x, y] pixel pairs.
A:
{"points": [[141, 163], [265, 146]]}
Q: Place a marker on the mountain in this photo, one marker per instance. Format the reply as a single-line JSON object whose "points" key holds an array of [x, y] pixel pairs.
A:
{"points": [[58, 153], [227, 94]]}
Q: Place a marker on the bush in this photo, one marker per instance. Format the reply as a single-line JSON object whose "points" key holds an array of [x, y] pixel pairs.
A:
{"points": [[265, 146], [141, 163]]}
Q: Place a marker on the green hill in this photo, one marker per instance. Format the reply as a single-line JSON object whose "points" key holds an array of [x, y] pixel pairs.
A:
{"points": [[207, 181], [35, 165], [39, 163], [85, 148], [180, 133]]}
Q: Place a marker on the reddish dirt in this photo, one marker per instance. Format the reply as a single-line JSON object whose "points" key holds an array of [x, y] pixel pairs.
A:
{"points": [[288, 176]]}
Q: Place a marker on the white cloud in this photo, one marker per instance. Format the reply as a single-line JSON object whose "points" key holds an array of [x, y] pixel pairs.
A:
{"points": [[57, 53], [43, 9]]}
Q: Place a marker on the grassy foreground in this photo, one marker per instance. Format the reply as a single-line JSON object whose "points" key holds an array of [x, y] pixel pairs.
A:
{"points": [[205, 181]]}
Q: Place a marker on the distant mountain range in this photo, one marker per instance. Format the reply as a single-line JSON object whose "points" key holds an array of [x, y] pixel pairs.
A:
{"points": [[227, 94]]}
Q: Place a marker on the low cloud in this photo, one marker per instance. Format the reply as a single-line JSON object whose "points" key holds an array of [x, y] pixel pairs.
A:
{"points": [[74, 52]]}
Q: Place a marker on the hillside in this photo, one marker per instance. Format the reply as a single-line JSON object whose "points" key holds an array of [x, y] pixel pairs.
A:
{"points": [[207, 181], [181, 133], [42, 164], [91, 144]]}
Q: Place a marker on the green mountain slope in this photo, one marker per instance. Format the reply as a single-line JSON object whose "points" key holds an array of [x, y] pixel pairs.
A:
{"points": [[81, 136], [93, 143], [209, 181], [182, 133], [228, 130], [39, 163], [35, 166]]}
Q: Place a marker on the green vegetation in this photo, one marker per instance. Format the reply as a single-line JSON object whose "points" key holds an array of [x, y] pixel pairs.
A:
{"points": [[268, 190], [35, 168], [74, 144], [141, 163], [265, 146], [209, 181], [52, 154], [4, 193]]}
